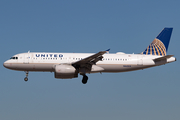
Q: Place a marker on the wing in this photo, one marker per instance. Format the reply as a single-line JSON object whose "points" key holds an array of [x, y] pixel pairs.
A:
{"points": [[87, 63]]}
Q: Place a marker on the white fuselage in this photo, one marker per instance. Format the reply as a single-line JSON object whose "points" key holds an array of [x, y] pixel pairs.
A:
{"points": [[118, 62], [69, 65]]}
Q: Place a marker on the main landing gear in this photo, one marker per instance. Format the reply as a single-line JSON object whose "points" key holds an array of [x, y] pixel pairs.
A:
{"points": [[85, 79], [26, 78]]}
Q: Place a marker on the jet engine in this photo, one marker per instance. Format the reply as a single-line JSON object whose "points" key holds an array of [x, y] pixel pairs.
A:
{"points": [[65, 72]]}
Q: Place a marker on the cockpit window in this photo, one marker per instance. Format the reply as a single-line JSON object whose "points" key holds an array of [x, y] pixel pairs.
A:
{"points": [[14, 58]]}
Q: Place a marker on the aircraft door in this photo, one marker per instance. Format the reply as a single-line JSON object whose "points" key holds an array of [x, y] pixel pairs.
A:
{"points": [[26, 58], [140, 60]]}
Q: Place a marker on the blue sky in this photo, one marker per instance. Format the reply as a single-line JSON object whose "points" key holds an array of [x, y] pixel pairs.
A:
{"points": [[88, 26]]}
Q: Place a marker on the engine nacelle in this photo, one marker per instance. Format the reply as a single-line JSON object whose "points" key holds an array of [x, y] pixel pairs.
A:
{"points": [[65, 72]]}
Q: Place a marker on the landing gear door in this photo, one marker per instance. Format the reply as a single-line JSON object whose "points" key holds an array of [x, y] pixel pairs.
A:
{"points": [[26, 58]]}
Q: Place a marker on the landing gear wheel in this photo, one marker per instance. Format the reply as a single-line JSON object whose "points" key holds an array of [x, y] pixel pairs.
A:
{"points": [[25, 79], [85, 79]]}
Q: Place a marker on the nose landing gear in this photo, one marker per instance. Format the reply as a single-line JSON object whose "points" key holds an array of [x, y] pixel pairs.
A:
{"points": [[26, 78]]}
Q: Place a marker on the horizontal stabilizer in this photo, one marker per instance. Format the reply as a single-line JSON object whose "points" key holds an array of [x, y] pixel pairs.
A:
{"points": [[162, 58]]}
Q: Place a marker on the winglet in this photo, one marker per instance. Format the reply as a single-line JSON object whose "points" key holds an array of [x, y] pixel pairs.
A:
{"points": [[107, 51]]}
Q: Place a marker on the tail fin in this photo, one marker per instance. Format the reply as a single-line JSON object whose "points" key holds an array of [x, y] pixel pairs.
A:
{"points": [[159, 45]]}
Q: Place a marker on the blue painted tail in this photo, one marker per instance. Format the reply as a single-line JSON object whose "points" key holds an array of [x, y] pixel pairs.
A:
{"points": [[160, 44]]}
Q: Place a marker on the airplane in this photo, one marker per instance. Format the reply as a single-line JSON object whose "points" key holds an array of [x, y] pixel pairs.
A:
{"points": [[69, 65]]}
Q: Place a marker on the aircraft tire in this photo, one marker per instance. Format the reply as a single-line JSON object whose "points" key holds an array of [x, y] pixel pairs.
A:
{"points": [[25, 79], [85, 79]]}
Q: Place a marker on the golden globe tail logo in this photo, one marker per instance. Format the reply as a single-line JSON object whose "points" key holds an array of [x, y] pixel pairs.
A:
{"points": [[155, 48]]}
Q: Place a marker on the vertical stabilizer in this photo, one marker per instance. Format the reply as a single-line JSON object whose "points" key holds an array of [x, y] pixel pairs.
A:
{"points": [[159, 45]]}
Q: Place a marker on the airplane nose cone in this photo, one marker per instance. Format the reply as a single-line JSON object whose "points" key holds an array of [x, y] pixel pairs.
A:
{"points": [[6, 64]]}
